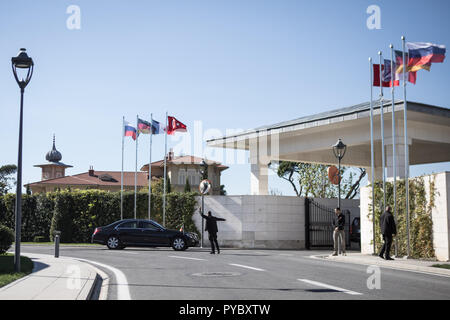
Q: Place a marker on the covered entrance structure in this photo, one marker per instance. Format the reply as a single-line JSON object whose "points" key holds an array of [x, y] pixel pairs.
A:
{"points": [[309, 139]]}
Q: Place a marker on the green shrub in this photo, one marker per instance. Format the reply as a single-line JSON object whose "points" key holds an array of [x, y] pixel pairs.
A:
{"points": [[77, 213], [37, 213], [421, 224], [6, 239], [39, 239]]}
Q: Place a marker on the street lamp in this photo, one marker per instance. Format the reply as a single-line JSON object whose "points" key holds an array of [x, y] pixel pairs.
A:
{"points": [[339, 151], [22, 61]]}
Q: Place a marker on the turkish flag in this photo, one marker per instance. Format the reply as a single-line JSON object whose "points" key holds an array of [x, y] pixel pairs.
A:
{"points": [[174, 125]]}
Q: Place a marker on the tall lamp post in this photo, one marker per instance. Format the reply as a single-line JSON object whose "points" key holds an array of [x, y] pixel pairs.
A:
{"points": [[339, 151], [22, 61]]}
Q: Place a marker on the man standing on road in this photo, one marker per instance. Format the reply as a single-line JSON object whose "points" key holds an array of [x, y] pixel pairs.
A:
{"points": [[338, 232], [388, 229], [211, 227]]}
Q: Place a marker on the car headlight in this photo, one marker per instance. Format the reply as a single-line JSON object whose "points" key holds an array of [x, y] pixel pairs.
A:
{"points": [[192, 235]]}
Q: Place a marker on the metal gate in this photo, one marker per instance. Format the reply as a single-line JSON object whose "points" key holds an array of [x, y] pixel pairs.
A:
{"points": [[318, 225]]}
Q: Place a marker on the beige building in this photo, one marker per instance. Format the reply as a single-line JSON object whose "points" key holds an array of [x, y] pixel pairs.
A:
{"points": [[178, 170]]}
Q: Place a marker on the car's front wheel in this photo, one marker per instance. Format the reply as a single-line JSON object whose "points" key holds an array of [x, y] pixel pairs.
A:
{"points": [[113, 243], [179, 244]]}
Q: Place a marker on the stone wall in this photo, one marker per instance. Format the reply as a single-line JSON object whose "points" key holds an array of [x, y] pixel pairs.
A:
{"points": [[262, 221]]}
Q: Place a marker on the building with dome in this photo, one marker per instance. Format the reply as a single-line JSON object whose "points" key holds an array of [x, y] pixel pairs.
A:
{"points": [[179, 169], [53, 168]]}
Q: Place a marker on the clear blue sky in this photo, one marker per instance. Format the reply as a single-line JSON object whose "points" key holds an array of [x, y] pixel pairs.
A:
{"points": [[230, 64]]}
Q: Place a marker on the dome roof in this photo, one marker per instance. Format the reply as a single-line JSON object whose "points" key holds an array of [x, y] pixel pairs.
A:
{"points": [[53, 155]]}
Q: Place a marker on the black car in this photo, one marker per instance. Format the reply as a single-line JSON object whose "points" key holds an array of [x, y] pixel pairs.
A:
{"points": [[355, 230], [142, 233]]}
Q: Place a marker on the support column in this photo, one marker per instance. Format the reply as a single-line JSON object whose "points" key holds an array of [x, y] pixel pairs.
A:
{"points": [[399, 157], [377, 176], [259, 181], [259, 160]]}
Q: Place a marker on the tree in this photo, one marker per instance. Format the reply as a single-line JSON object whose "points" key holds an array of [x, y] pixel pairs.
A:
{"points": [[223, 192], [5, 177], [311, 180], [187, 186], [158, 186]]}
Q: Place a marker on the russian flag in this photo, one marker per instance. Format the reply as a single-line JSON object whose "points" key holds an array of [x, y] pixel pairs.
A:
{"points": [[129, 130], [422, 54]]}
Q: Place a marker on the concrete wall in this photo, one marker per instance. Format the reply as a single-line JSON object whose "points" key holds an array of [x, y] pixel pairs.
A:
{"points": [[262, 221], [440, 217]]}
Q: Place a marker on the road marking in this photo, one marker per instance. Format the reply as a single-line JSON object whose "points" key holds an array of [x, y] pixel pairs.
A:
{"points": [[123, 291], [247, 267], [393, 267], [320, 284], [179, 257]]}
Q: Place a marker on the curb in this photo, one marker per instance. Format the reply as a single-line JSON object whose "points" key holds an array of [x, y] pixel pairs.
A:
{"points": [[99, 289], [94, 288], [411, 268]]}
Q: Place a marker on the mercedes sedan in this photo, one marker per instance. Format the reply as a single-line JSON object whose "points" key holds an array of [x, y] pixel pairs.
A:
{"points": [[142, 233]]}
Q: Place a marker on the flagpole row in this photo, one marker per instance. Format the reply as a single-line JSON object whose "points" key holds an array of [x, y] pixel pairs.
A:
{"points": [[150, 170], [372, 162], [135, 171], [383, 158], [394, 147], [405, 120], [121, 173], [165, 172]]}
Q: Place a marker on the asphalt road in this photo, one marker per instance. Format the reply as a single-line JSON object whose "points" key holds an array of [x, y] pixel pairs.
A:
{"points": [[162, 273]]}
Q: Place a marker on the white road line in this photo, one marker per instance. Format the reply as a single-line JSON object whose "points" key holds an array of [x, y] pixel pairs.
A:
{"points": [[320, 284], [179, 257], [247, 267], [123, 292], [395, 268]]}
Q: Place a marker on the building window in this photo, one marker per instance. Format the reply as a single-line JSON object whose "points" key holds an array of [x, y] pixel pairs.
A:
{"points": [[193, 177], [181, 176]]}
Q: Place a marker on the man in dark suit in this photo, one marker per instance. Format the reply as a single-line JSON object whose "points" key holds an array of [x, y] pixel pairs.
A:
{"points": [[338, 232], [211, 227], [388, 229]]}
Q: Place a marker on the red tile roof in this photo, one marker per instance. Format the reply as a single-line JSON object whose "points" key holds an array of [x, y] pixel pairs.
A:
{"points": [[184, 160], [87, 180]]}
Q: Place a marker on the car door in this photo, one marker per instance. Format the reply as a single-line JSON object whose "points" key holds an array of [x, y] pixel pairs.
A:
{"points": [[128, 232], [152, 234]]}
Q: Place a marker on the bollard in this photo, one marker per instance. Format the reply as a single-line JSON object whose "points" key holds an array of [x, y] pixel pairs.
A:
{"points": [[57, 233]]}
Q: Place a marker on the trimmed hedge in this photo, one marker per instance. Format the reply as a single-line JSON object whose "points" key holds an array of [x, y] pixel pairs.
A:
{"points": [[77, 213], [6, 239], [37, 213]]}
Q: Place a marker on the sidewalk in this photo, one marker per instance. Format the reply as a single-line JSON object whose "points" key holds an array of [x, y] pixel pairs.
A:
{"points": [[53, 279], [399, 263]]}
